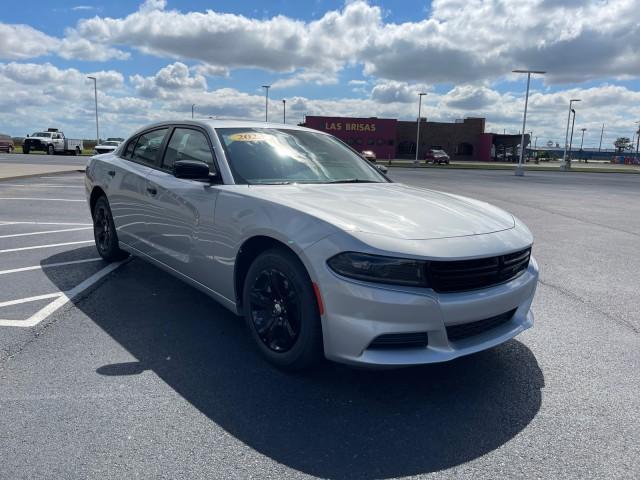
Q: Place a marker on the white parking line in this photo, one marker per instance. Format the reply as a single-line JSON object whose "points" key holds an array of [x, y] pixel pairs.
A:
{"points": [[51, 245], [42, 233], [49, 265], [42, 199], [30, 299], [9, 222], [64, 297], [43, 185]]}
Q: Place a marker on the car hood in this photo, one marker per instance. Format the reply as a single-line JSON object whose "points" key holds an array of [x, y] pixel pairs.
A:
{"points": [[390, 209]]}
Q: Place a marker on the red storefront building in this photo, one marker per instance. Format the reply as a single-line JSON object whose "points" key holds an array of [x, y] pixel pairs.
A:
{"points": [[391, 138]]}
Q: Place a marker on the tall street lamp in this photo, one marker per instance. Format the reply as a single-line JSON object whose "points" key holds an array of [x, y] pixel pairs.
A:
{"points": [[520, 167], [284, 111], [193, 106], [573, 122], [420, 95], [637, 140], [95, 95], [567, 161], [266, 102]]}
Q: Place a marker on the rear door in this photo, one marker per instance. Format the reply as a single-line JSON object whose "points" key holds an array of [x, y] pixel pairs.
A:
{"points": [[182, 237], [131, 196]]}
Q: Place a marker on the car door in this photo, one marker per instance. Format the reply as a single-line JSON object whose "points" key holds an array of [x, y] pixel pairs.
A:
{"points": [[182, 237], [130, 197]]}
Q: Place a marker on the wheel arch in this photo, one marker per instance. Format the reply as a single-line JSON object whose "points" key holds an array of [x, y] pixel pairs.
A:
{"points": [[248, 252], [96, 193]]}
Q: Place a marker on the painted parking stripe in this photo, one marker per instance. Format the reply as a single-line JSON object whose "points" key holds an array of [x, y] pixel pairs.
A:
{"points": [[43, 185], [9, 222], [42, 199], [64, 297], [51, 245], [49, 265], [30, 299], [42, 233]]}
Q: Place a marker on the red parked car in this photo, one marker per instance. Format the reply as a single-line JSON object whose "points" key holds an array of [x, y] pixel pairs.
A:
{"points": [[436, 155], [6, 143]]}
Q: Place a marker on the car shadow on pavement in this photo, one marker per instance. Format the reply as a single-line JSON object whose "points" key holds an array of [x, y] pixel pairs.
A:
{"points": [[334, 422]]}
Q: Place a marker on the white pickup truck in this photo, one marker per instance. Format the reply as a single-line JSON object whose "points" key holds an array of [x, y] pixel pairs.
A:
{"points": [[52, 141]]}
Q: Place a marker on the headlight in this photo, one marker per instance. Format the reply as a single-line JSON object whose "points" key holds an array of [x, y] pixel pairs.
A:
{"points": [[380, 269]]}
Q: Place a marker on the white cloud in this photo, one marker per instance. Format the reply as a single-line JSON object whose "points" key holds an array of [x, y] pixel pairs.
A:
{"points": [[170, 80], [19, 42]]}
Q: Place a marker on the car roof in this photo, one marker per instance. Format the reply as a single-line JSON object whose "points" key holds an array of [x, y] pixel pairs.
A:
{"points": [[223, 123]]}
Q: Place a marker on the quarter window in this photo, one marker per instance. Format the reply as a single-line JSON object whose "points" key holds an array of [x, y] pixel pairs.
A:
{"points": [[148, 146], [129, 150], [188, 144]]}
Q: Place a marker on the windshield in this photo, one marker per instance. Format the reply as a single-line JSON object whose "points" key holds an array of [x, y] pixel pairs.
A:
{"points": [[41, 134], [275, 156]]}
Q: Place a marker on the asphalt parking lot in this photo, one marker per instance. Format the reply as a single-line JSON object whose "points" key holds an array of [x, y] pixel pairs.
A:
{"points": [[43, 159], [120, 371]]}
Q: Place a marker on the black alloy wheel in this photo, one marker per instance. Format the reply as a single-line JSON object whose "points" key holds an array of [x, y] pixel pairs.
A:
{"points": [[275, 310], [281, 310], [104, 232]]}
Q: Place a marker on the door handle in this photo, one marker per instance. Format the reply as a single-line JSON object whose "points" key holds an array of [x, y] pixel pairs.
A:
{"points": [[152, 190], [112, 173]]}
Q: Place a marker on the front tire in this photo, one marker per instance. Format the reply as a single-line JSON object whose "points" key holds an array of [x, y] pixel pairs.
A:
{"points": [[25, 150], [50, 150], [281, 312], [104, 232]]}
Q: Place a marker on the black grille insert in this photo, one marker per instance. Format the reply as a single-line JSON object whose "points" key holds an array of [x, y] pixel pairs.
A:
{"points": [[461, 275], [466, 330], [400, 340]]}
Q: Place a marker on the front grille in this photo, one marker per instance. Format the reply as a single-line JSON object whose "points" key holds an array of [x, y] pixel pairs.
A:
{"points": [[32, 143], [461, 275], [466, 330], [400, 340]]}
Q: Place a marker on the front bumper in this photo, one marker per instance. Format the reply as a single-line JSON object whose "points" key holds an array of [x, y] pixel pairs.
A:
{"points": [[356, 313]]}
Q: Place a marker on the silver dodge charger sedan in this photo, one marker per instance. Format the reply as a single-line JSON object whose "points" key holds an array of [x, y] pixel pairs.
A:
{"points": [[321, 253]]}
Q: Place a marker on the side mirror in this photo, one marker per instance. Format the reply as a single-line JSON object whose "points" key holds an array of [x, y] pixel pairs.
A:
{"points": [[382, 168], [27, 135], [191, 170]]}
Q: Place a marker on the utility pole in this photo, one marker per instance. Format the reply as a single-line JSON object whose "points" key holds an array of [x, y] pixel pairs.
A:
{"points": [[601, 133], [95, 95], [582, 142], [520, 167], [637, 140], [193, 106], [416, 162], [284, 111], [266, 102]]}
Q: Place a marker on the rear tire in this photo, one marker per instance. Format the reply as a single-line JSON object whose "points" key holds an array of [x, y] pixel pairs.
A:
{"points": [[77, 151], [281, 311], [104, 232]]}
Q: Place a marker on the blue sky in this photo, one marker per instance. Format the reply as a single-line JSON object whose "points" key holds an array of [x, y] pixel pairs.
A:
{"points": [[356, 57]]}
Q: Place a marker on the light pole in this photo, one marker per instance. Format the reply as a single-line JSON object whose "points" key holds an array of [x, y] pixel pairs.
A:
{"points": [[573, 122], [95, 95], [420, 95], [637, 140], [266, 102], [582, 141], [193, 106], [601, 133], [284, 111], [520, 167], [567, 161]]}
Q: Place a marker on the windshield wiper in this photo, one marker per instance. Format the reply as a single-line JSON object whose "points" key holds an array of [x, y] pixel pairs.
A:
{"points": [[352, 180]]}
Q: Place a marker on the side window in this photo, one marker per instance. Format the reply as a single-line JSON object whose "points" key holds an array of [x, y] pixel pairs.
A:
{"points": [[148, 146], [128, 152], [188, 144]]}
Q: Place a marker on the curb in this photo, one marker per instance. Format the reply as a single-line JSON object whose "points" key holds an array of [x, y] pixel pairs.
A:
{"points": [[504, 168]]}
